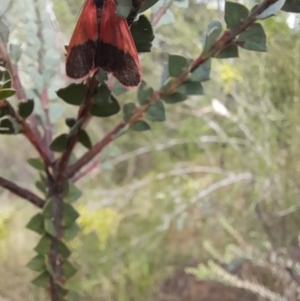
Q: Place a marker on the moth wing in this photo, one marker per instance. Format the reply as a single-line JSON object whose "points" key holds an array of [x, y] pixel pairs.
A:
{"points": [[82, 48], [116, 51]]}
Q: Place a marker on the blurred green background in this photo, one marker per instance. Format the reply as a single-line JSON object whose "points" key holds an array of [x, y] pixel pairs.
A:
{"points": [[222, 170]]}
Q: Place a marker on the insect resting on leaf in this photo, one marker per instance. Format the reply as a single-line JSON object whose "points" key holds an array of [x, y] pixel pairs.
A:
{"points": [[102, 39]]}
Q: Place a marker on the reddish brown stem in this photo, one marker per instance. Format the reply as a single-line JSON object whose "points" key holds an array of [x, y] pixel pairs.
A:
{"points": [[22, 192]]}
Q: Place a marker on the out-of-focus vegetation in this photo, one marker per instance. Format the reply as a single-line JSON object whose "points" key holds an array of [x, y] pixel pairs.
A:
{"points": [[158, 198]]}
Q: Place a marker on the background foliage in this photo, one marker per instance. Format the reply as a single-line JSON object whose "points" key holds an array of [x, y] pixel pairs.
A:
{"points": [[229, 157]]}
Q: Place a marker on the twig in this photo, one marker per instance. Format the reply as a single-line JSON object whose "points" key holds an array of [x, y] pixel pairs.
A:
{"points": [[22, 192], [83, 116]]}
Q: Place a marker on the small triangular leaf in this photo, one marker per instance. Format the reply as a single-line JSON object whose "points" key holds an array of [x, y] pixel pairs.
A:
{"points": [[59, 144], [36, 224], [174, 98], [177, 64], [69, 214], [71, 231], [140, 126], [36, 163], [213, 31], [68, 270], [26, 108], [43, 280], [84, 139], [74, 94], [202, 73], [49, 227], [156, 112], [43, 245], [191, 88], [235, 13], [144, 93], [37, 263], [253, 38], [128, 110], [63, 250], [228, 52]]}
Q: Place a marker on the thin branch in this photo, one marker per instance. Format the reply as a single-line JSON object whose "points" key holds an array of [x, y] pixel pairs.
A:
{"points": [[224, 41], [22, 192]]}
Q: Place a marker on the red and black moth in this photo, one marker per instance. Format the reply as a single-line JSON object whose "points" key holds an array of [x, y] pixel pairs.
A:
{"points": [[102, 39]]}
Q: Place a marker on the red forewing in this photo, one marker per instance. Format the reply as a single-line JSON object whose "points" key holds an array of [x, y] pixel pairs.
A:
{"points": [[116, 52], [82, 48]]}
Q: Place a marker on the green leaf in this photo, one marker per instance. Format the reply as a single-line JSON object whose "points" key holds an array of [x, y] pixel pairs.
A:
{"points": [[142, 34], [291, 6], [191, 88], [74, 94], [43, 246], [128, 110], [6, 84], [49, 227], [123, 8], [213, 31], [6, 93], [144, 93], [71, 231], [69, 214], [70, 121], [272, 10], [4, 74], [43, 280], [61, 291], [36, 224], [202, 73], [36, 163], [73, 194], [63, 250], [253, 38], [84, 139], [59, 144], [68, 270], [140, 126], [41, 186], [156, 112], [228, 52], [177, 64], [9, 126], [37, 263], [105, 104], [26, 108], [235, 13], [174, 98]]}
